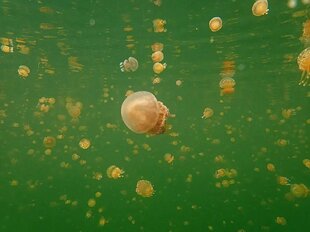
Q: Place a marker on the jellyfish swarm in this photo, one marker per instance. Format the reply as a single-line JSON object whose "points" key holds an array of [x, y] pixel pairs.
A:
{"points": [[129, 65], [227, 85], [142, 113], [303, 62]]}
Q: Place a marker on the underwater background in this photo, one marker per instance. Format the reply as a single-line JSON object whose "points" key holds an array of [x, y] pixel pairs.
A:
{"points": [[228, 161]]}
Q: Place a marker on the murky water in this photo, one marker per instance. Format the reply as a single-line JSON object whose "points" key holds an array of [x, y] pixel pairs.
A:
{"points": [[233, 154]]}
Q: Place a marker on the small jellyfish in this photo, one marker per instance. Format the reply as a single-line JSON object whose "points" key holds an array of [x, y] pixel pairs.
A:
{"points": [[271, 167], [303, 62], [281, 221], [299, 190], [207, 113], [157, 47], [84, 143], [168, 158], [260, 7], [6, 48], [142, 113], [159, 25], [282, 180], [227, 85], [114, 172], [215, 24], [129, 65], [23, 71], [306, 162], [159, 67], [157, 56], [144, 188], [49, 142]]}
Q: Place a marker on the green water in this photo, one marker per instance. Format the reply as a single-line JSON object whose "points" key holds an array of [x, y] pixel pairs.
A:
{"points": [[73, 50]]}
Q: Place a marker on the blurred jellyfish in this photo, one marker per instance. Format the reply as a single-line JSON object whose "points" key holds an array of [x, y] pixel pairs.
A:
{"points": [[303, 62], [129, 65]]}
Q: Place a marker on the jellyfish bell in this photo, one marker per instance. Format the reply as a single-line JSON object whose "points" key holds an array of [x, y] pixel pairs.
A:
{"points": [[260, 7], [227, 85], [215, 24], [157, 56], [129, 65], [142, 113], [303, 62]]}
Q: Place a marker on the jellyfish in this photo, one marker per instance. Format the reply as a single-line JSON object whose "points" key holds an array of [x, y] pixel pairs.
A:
{"points": [[159, 67], [142, 113], [215, 24], [114, 172], [299, 190], [305, 38], [23, 71], [227, 85], [49, 141], [159, 25], [207, 113], [84, 143], [303, 62], [129, 65], [260, 7], [157, 47], [144, 188], [157, 56]]}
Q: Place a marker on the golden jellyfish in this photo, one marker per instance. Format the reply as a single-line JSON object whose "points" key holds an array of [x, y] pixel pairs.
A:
{"points": [[157, 56], [168, 158], [157, 47], [299, 190], [6, 48], [159, 25], [282, 180], [114, 172], [49, 142], [142, 113], [303, 62], [227, 85], [306, 162], [159, 67], [271, 167], [281, 221], [305, 38], [84, 143], [207, 113], [215, 24], [129, 65], [260, 7], [144, 188], [23, 71]]}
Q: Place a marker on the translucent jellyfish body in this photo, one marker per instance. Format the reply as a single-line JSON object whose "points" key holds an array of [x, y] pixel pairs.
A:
{"points": [[260, 7], [142, 113], [129, 65], [159, 67], [157, 56], [159, 25], [215, 24], [227, 85], [23, 71], [144, 188], [303, 62]]}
